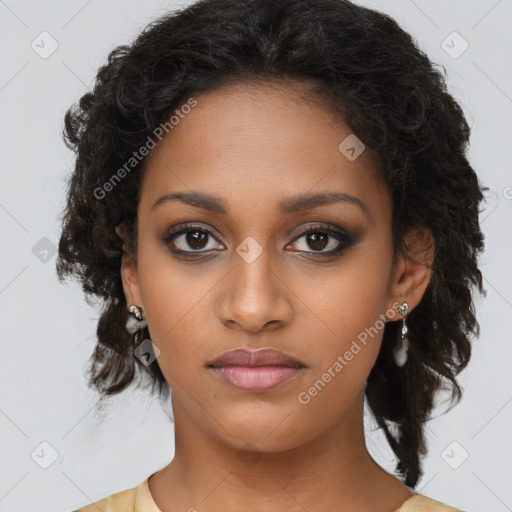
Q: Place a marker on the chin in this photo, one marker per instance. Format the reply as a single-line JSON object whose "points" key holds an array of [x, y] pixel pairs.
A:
{"points": [[263, 433]]}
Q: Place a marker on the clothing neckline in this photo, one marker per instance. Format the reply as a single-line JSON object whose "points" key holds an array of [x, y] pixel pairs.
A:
{"points": [[144, 495], [144, 498], [407, 502]]}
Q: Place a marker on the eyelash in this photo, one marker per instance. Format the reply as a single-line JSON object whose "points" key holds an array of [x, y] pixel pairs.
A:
{"points": [[345, 239]]}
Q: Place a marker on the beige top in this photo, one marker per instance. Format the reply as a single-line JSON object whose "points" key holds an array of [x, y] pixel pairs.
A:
{"points": [[139, 499]]}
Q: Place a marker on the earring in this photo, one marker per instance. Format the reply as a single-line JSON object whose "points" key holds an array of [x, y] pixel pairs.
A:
{"points": [[135, 321], [400, 352]]}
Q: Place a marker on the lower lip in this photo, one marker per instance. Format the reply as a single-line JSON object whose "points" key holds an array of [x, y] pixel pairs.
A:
{"points": [[256, 378]]}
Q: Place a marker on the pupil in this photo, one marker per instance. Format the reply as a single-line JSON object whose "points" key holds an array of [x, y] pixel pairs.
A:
{"points": [[319, 241], [195, 239]]}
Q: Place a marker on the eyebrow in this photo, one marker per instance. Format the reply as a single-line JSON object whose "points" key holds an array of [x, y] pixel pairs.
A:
{"points": [[292, 204]]}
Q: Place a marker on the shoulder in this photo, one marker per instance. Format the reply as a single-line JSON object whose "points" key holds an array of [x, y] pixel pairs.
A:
{"points": [[422, 503], [123, 501]]}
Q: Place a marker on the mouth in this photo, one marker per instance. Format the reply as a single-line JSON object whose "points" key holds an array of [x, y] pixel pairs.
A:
{"points": [[256, 370]]}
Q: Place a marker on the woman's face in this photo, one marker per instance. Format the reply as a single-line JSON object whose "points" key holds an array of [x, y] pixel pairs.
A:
{"points": [[257, 155]]}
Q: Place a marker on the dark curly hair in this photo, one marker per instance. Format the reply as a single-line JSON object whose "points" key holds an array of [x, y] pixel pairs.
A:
{"points": [[361, 65]]}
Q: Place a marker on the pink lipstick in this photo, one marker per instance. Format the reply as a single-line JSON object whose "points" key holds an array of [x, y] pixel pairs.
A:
{"points": [[256, 370]]}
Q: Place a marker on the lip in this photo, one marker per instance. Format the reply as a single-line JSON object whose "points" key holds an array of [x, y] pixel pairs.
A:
{"points": [[260, 378], [260, 357], [256, 370]]}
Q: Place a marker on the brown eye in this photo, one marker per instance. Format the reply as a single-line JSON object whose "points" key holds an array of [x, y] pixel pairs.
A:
{"points": [[317, 241], [190, 239], [323, 240], [196, 239]]}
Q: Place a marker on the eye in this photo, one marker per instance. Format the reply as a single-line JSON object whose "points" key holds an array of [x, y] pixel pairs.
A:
{"points": [[320, 238], [190, 236], [323, 240]]}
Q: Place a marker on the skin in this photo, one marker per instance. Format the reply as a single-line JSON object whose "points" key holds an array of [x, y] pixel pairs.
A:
{"points": [[254, 146]]}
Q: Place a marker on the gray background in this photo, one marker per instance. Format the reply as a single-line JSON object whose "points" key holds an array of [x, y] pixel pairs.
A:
{"points": [[48, 332]]}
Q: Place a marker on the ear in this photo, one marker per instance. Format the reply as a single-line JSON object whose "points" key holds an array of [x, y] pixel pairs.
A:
{"points": [[130, 279], [411, 275], [129, 275]]}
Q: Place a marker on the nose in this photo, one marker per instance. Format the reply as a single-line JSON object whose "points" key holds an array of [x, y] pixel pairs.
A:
{"points": [[254, 296]]}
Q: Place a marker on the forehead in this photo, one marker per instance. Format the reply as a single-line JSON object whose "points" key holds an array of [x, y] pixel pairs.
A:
{"points": [[255, 145]]}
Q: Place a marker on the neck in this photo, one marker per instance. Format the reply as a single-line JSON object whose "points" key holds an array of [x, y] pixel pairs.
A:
{"points": [[332, 471]]}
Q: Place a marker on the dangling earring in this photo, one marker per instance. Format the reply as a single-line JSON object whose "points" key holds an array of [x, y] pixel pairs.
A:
{"points": [[135, 321], [401, 351]]}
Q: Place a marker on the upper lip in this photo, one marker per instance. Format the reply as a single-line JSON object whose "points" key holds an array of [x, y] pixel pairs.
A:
{"points": [[260, 357]]}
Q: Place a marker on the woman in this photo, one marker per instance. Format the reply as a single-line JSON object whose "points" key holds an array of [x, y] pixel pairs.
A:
{"points": [[273, 201]]}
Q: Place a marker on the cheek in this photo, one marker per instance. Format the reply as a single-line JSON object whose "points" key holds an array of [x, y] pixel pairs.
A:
{"points": [[167, 289], [177, 308], [350, 297], [348, 316], [348, 307]]}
